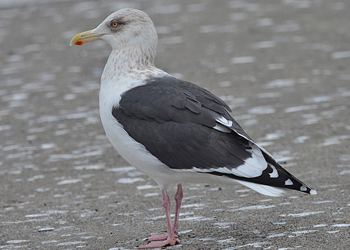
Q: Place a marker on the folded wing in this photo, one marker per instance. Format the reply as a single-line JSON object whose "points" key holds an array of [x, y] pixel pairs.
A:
{"points": [[190, 129]]}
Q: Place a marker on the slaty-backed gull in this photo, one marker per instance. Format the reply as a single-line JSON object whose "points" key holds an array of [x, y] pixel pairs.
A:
{"points": [[174, 131]]}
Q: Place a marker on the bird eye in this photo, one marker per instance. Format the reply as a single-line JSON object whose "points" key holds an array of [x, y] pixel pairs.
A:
{"points": [[114, 24]]}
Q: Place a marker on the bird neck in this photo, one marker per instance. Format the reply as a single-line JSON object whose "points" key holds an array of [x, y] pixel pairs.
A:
{"points": [[127, 61]]}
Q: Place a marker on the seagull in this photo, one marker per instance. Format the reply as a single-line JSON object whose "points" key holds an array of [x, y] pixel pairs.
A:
{"points": [[172, 130]]}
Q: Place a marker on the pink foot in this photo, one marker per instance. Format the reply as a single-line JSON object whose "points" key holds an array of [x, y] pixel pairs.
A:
{"points": [[160, 243], [163, 236], [156, 237]]}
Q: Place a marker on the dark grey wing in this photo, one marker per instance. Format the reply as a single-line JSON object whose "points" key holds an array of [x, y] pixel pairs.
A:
{"points": [[194, 104], [187, 127], [211, 102], [175, 120]]}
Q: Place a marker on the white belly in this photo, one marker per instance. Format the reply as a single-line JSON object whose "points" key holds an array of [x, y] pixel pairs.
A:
{"points": [[132, 151]]}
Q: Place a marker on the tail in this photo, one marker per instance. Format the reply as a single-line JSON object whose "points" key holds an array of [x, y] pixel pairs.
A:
{"points": [[263, 189]]}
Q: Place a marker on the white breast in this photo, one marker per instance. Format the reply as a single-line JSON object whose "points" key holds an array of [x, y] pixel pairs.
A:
{"points": [[132, 151]]}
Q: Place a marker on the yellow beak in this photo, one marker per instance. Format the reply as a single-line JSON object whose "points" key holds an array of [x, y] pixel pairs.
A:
{"points": [[84, 37]]}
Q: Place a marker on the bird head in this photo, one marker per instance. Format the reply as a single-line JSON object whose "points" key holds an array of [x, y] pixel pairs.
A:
{"points": [[121, 29]]}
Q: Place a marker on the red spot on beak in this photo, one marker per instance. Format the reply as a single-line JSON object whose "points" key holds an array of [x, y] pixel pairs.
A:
{"points": [[78, 43]]}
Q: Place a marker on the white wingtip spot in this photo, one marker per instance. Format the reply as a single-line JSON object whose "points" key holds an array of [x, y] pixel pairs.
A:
{"points": [[288, 182], [313, 192], [274, 173]]}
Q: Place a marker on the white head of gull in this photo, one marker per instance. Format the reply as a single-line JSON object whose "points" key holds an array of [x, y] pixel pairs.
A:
{"points": [[133, 39], [173, 130]]}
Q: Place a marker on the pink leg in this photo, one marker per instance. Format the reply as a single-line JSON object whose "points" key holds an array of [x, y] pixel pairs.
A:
{"points": [[178, 199], [171, 239]]}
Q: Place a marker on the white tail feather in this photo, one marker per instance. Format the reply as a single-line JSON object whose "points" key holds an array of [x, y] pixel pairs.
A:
{"points": [[263, 189]]}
